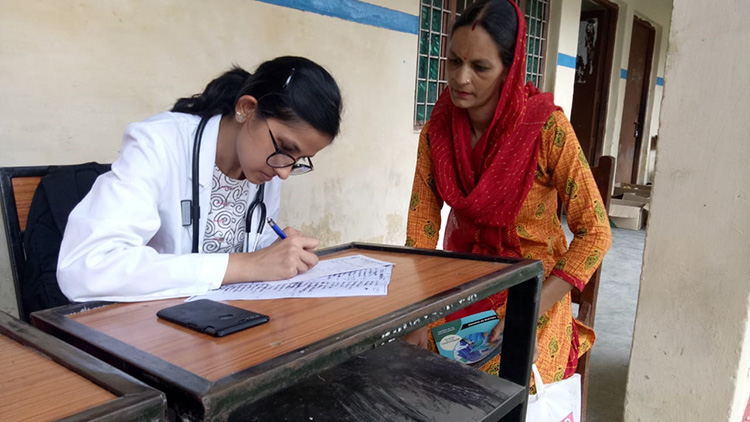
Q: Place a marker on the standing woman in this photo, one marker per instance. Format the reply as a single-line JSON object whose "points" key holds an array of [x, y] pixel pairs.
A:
{"points": [[499, 153], [225, 150]]}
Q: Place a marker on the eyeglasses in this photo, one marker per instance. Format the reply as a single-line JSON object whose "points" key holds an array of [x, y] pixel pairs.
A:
{"points": [[281, 159]]}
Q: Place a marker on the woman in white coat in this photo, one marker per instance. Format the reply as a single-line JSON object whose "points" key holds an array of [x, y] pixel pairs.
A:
{"points": [[131, 237]]}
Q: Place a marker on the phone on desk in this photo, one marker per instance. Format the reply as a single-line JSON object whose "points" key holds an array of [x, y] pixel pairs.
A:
{"points": [[211, 317]]}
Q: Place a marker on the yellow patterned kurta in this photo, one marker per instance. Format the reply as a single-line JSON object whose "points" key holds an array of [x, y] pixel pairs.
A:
{"points": [[562, 169]]}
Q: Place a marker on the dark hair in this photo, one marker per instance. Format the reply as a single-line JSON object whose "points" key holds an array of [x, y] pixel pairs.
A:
{"points": [[287, 88], [499, 19]]}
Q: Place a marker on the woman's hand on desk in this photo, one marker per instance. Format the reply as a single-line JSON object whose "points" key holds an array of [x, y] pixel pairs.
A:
{"points": [[498, 330], [283, 259], [419, 337]]}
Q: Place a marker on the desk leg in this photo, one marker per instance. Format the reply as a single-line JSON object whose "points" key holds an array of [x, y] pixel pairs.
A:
{"points": [[519, 337]]}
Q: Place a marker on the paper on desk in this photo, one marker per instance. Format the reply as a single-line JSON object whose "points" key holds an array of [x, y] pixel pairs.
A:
{"points": [[355, 275]]}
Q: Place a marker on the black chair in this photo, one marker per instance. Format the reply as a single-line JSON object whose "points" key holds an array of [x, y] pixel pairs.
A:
{"points": [[19, 189]]}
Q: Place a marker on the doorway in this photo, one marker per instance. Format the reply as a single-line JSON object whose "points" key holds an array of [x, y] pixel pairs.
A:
{"points": [[636, 98], [596, 42]]}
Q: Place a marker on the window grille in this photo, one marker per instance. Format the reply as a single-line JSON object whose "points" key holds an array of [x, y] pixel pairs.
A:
{"points": [[536, 12], [433, 38]]}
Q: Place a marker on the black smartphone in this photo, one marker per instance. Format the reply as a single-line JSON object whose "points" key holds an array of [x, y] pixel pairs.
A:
{"points": [[211, 317]]}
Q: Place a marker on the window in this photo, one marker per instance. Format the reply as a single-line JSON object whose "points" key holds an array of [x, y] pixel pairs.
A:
{"points": [[435, 22], [434, 25], [536, 12]]}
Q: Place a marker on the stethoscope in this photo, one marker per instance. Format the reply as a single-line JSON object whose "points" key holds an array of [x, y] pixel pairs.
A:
{"points": [[191, 210]]}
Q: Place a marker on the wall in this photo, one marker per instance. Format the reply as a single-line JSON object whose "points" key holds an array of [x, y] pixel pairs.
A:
{"points": [[562, 50], [690, 359], [76, 73]]}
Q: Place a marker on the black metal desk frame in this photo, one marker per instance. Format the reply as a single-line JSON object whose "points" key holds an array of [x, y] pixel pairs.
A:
{"points": [[196, 398]]}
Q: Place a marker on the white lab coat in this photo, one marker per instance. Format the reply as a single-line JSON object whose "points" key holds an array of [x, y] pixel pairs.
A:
{"points": [[125, 241]]}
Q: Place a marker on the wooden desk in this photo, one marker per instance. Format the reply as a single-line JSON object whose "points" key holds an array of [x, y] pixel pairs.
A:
{"points": [[42, 379], [209, 378]]}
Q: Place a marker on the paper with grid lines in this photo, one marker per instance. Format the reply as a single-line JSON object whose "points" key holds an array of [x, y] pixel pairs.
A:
{"points": [[355, 275]]}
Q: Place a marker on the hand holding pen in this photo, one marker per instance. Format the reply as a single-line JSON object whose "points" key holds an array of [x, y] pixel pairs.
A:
{"points": [[276, 228], [295, 235], [282, 235], [280, 260]]}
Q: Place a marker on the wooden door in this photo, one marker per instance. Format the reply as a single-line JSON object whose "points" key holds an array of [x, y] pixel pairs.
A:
{"points": [[636, 95], [593, 69]]}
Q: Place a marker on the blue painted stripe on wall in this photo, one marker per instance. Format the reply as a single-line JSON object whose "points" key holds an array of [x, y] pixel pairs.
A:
{"points": [[356, 11], [566, 61], [659, 81], [623, 74]]}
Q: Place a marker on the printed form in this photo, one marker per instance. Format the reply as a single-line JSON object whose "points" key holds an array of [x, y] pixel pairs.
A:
{"points": [[356, 275]]}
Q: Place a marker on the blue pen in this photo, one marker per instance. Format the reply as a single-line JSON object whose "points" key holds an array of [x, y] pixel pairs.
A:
{"points": [[276, 228]]}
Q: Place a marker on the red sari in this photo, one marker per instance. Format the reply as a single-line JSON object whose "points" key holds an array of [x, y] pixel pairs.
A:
{"points": [[487, 185], [504, 196]]}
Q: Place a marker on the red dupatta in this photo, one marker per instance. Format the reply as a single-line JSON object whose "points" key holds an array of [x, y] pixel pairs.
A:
{"points": [[485, 187]]}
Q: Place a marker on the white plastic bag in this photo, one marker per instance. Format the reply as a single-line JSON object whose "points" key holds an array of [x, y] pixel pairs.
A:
{"points": [[556, 402]]}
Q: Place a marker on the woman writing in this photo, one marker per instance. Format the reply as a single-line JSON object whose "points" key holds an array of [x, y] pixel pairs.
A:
{"points": [[499, 153], [130, 238]]}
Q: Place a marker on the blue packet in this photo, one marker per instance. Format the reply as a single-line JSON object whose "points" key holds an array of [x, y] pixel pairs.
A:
{"points": [[466, 340]]}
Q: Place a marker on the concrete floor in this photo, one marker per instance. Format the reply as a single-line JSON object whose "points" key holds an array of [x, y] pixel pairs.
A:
{"points": [[615, 316]]}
